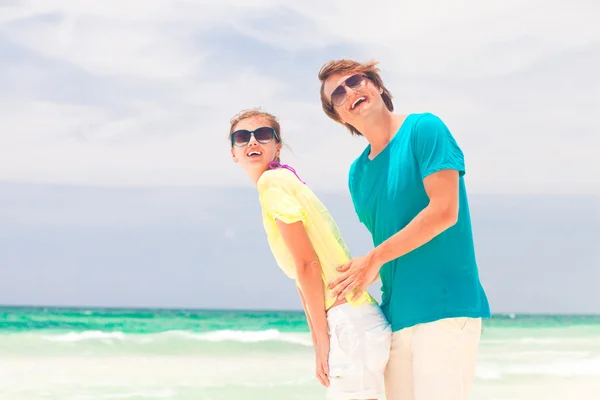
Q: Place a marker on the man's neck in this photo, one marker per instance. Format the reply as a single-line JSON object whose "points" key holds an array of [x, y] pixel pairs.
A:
{"points": [[381, 130]]}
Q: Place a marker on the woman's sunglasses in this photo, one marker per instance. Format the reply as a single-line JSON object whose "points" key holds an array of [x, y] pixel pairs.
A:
{"points": [[339, 95], [263, 135]]}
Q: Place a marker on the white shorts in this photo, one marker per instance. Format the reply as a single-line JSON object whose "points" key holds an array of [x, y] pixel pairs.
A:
{"points": [[360, 340]]}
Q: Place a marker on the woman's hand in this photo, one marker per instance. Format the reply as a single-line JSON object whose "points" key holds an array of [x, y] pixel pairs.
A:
{"points": [[322, 359]]}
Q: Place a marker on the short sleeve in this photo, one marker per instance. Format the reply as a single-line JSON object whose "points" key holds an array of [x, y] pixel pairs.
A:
{"points": [[434, 147], [282, 204], [351, 180]]}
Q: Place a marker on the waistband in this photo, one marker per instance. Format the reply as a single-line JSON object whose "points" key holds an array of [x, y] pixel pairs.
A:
{"points": [[347, 310]]}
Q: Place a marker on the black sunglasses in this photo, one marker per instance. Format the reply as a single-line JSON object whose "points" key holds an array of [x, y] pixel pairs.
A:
{"points": [[339, 95], [263, 135]]}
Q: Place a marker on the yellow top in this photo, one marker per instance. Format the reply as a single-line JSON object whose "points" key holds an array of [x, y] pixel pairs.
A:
{"points": [[283, 196]]}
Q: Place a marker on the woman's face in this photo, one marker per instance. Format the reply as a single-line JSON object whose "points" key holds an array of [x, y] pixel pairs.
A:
{"points": [[255, 145]]}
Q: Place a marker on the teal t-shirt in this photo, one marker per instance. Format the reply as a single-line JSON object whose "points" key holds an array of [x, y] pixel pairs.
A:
{"points": [[439, 279]]}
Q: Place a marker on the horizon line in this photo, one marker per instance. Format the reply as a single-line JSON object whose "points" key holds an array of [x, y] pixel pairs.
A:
{"points": [[257, 310]]}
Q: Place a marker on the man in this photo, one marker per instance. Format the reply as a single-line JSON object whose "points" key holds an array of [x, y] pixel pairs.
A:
{"points": [[408, 189]]}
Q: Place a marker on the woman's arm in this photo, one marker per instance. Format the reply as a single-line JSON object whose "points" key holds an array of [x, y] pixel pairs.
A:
{"points": [[308, 272], [310, 326]]}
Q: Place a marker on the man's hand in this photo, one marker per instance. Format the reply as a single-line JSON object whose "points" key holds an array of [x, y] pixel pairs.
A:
{"points": [[357, 274], [322, 359]]}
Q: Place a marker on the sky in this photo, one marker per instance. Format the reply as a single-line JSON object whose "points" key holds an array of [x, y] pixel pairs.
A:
{"points": [[130, 101], [116, 93]]}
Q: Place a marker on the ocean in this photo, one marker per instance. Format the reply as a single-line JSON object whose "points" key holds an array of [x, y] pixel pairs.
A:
{"points": [[102, 354]]}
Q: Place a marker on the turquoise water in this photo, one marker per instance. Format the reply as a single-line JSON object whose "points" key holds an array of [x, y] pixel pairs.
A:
{"points": [[66, 353]]}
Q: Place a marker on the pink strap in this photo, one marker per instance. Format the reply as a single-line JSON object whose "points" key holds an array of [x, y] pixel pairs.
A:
{"points": [[275, 164]]}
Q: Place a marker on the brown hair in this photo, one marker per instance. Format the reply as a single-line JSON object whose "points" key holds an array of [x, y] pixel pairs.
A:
{"points": [[256, 112], [345, 66]]}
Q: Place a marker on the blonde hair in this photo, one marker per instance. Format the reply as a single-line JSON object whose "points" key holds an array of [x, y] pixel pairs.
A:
{"points": [[257, 112], [345, 66]]}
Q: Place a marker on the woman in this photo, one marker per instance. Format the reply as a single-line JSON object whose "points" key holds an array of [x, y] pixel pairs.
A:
{"points": [[351, 338]]}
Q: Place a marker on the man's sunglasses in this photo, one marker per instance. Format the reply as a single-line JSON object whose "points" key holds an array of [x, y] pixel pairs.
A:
{"points": [[339, 95], [263, 135]]}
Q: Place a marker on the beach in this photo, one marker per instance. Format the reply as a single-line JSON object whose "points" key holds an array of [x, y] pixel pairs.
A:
{"points": [[93, 353]]}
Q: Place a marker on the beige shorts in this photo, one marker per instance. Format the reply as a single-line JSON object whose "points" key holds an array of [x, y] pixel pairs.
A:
{"points": [[432, 361], [360, 340]]}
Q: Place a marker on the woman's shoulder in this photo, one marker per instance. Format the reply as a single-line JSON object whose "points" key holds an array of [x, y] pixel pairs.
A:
{"points": [[277, 178]]}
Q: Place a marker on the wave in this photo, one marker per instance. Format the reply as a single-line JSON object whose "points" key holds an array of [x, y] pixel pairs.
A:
{"points": [[583, 367], [494, 364], [273, 336], [85, 335], [543, 341], [270, 335], [245, 336], [589, 367], [164, 394], [486, 374]]}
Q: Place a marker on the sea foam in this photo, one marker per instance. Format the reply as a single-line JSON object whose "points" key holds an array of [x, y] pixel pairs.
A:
{"points": [[270, 335]]}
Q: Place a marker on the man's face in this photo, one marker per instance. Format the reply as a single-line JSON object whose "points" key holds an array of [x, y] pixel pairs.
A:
{"points": [[353, 96]]}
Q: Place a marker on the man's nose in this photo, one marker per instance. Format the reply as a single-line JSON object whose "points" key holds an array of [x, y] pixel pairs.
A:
{"points": [[348, 89]]}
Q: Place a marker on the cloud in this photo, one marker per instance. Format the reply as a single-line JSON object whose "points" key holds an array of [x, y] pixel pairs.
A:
{"points": [[140, 93], [432, 36]]}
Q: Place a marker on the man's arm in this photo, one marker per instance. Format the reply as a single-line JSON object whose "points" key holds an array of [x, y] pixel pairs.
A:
{"points": [[440, 214]]}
